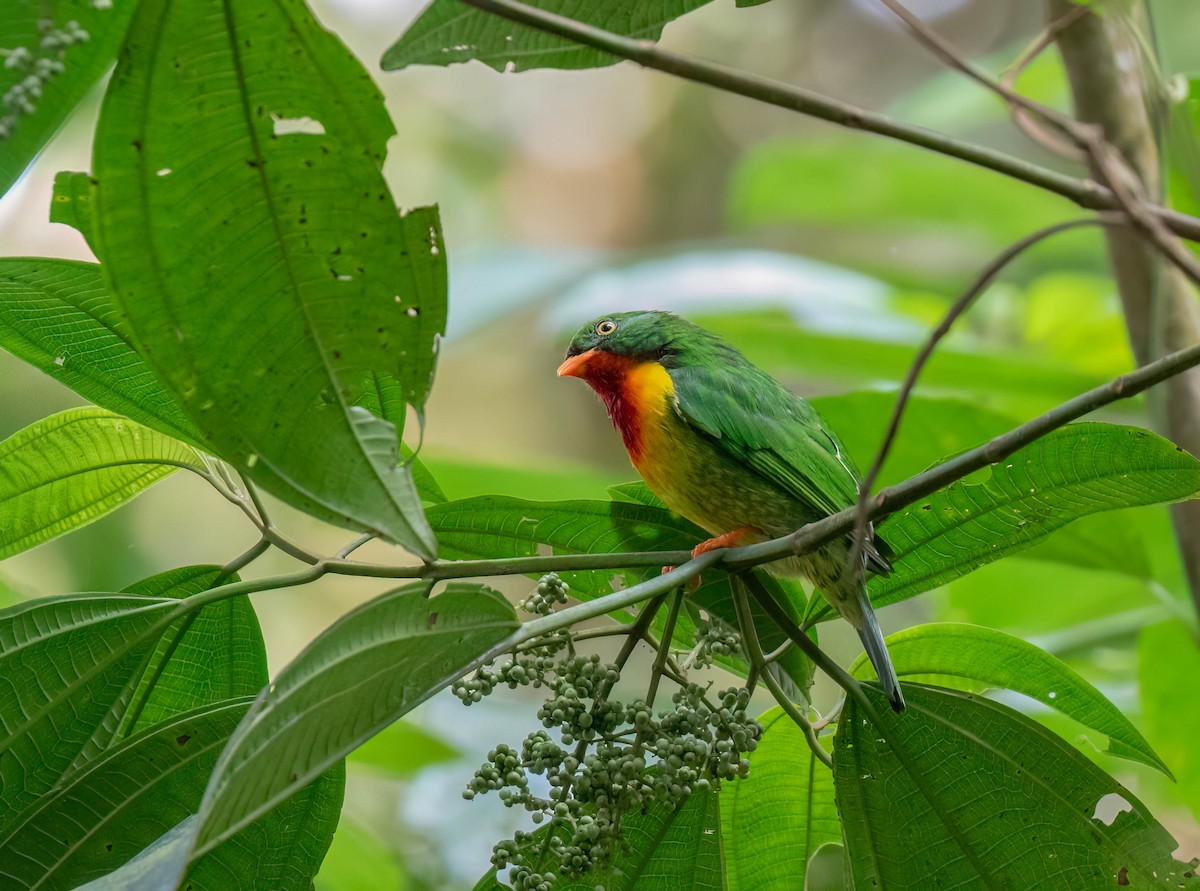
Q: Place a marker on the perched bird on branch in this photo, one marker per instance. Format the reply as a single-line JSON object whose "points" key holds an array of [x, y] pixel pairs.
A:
{"points": [[725, 445]]}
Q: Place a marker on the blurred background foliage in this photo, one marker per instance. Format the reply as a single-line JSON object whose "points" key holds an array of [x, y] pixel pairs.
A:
{"points": [[823, 253]]}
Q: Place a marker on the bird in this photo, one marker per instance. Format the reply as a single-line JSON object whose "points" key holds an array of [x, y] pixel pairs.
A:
{"points": [[726, 446]]}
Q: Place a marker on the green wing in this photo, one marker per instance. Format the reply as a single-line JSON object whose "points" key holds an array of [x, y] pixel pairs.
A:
{"points": [[768, 429]]}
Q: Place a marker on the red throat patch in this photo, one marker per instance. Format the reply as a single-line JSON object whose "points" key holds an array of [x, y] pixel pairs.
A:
{"points": [[611, 376]]}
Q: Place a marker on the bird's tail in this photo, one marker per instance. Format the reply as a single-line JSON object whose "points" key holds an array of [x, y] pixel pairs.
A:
{"points": [[872, 639]]}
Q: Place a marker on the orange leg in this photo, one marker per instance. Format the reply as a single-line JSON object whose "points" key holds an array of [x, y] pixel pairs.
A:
{"points": [[728, 540]]}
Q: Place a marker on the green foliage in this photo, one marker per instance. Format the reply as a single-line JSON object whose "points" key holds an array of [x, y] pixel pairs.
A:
{"points": [[978, 795], [993, 659], [53, 52], [1167, 653], [448, 31], [369, 668], [773, 822], [74, 467], [313, 255]]}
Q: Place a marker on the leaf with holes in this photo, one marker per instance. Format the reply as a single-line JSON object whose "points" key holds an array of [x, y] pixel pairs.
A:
{"points": [[74, 467], [1075, 471], [366, 670], [959, 791], [987, 658], [259, 261]]}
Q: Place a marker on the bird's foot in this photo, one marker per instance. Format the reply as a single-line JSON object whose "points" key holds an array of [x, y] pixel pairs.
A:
{"points": [[728, 540]]}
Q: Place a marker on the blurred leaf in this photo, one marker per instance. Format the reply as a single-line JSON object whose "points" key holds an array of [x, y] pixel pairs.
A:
{"points": [[774, 820], [370, 667], [1077, 320], [66, 661], [281, 850], [74, 467], [1183, 146], [212, 654], [73, 204], [448, 31], [464, 477], [1013, 382], [959, 791], [401, 749], [1072, 472], [59, 316], [1114, 541], [996, 659], [1168, 664], [358, 861], [892, 196], [265, 306], [131, 794], [669, 849], [63, 73]]}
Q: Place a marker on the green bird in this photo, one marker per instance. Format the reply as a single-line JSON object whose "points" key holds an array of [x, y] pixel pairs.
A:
{"points": [[725, 445]]}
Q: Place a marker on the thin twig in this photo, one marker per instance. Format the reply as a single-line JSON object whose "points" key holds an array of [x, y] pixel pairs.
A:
{"points": [[1086, 193], [854, 562], [248, 556], [758, 664], [664, 647]]}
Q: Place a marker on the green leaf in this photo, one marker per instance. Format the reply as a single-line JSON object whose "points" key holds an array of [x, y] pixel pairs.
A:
{"points": [[669, 848], [1168, 662], [959, 791], [74, 467], [774, 820], [73, 204], [365, 671], [996, 659], [401, 749], [59, 316], [210, 655], [281, 850], [448, 31], [131, 794], [66, 661], [83, 60], [1075, 471], [259, 261]]}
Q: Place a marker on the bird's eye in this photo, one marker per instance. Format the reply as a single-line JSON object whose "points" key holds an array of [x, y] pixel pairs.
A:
{"points": [[606, 328]]}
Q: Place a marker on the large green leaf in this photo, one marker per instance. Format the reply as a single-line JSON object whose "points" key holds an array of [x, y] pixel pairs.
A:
{"points": [[669, 849], [281, 850], [59, 316], [210, 655], [131, 795], [63, 62], [74, 467], [448, 31], [365, 671], [995, 659], [259, 261], [1072, 472], [1168, 663], [774, 820], [358, 860], [961, 792], [65, 662]]}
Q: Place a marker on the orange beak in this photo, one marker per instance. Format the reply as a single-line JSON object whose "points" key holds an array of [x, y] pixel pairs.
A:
{"points": [[576, 366]]}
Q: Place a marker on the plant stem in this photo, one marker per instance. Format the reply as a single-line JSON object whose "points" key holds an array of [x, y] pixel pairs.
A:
{"points": [[664, 647]]}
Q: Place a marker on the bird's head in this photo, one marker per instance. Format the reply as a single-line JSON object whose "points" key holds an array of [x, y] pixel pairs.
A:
{"points": [[623, 338]]}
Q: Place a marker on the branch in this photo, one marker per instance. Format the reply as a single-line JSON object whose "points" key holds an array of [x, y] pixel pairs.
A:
{"points": [[1085, 193]]}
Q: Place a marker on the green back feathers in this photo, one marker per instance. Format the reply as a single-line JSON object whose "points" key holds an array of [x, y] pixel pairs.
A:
{"points": [[746, 411]]}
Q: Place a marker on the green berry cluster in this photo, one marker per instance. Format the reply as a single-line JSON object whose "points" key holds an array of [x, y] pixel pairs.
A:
{"points": [[550, 593], [623, 757], [714, 637]]}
